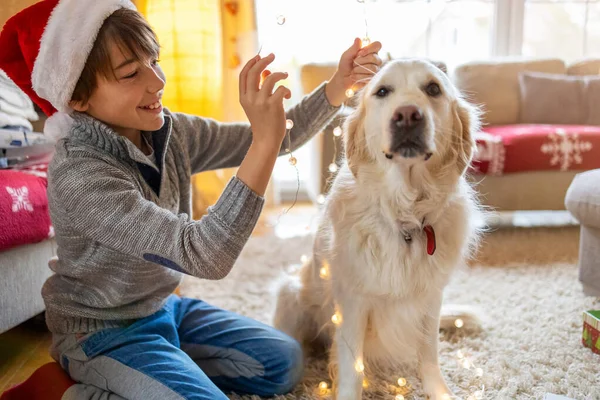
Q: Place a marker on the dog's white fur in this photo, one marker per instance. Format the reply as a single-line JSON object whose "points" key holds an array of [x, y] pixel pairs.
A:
{"points": [[387, 291]]}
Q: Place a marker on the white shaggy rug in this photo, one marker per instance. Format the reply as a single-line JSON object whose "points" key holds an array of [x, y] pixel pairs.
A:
{"points": [[531, 344]]}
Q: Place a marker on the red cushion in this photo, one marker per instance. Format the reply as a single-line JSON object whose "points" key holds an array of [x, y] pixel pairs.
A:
{"points": [[505, 149], [24, 216], [49, 382]]}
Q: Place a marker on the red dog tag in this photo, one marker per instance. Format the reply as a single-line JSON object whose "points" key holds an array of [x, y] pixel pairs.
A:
{"points": [[430, 239]]}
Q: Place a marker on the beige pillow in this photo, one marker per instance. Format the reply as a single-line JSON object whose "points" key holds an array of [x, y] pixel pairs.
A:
{"points": [[494, 85], [559, 99]]}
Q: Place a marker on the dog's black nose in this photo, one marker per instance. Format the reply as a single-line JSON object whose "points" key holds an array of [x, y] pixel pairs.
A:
{"points": [[407, 116]]}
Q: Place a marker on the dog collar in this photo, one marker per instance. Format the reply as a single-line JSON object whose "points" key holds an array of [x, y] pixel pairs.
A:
{"points": [[430, 234]]}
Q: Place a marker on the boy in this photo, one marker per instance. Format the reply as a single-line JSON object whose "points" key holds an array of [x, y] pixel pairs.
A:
{"points": [[119, 198]]}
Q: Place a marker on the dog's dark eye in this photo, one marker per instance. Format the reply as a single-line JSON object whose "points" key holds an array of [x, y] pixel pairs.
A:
{"points": [[433, 89], [382, 92]]}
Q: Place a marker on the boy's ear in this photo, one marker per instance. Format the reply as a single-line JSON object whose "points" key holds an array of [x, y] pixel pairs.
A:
{"points": [[79, 106]]}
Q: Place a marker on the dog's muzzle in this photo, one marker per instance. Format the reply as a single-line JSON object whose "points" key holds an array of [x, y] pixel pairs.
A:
{"points": [[408, 133]]}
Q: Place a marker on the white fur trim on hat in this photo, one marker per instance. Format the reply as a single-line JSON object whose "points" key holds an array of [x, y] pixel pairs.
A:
{"points": [[66, 44]]}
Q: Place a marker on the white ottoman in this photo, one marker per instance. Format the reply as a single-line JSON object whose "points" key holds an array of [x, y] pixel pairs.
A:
{"points": [[583, 201]]}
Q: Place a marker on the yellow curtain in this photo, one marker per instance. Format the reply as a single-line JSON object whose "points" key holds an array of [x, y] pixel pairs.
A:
{"points": [[203, 44]]}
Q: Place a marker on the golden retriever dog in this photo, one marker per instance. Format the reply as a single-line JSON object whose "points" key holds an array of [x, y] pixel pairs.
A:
{"points": [[399, 219]]}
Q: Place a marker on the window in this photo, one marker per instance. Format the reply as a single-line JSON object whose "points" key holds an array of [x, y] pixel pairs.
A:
{"points": [[568, 29]]}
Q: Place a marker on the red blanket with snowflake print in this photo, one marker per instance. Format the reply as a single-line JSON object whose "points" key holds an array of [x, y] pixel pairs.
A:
{"points": [[506, 149], [24, 214]]}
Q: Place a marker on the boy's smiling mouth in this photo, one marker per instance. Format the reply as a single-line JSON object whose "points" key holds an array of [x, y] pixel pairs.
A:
{"points": [[155, 107]]}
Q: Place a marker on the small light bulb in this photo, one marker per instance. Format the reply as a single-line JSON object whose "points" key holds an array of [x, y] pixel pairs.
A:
{"points": [[479, 372], [459, 323], [359, 366], [304, 258], [293, 160], [349, 93], [460, 354], [323, 386], [321, 199], [337, 131], [466, 364], [336, 318], [289, 124], [479, 395], [399, 397], [281, 19], [365, 383], [333, 167], [365, 42], [324, 273], [401, 382]]}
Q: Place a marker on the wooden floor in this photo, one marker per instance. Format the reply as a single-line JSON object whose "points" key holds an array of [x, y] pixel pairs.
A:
{"points": [[25, 348]]}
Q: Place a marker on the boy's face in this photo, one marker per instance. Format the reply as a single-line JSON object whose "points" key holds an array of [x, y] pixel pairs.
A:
{"points": [[132, 101]]}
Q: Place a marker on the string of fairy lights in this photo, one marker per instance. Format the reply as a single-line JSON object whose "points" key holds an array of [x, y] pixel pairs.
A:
{"points": [[401, 388]]}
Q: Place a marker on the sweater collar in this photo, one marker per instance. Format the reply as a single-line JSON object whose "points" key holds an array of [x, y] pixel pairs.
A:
{"points": [[89, 130]]}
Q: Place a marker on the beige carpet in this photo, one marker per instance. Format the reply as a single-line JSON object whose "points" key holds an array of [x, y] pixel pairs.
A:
{"points": [[531, 344]]}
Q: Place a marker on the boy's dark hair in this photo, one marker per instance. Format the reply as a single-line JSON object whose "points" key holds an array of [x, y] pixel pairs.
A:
{"points": [[132, 33]]}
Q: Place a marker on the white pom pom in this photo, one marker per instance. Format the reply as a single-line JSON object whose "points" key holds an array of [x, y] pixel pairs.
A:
{"points": [[58, 126]]}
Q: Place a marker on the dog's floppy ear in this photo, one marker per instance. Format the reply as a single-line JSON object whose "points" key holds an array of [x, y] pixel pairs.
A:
{"points": [[466, 125], [354, 138]]}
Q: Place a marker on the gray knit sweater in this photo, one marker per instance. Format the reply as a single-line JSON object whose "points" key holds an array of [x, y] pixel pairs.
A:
{"points": [[123, 247]]}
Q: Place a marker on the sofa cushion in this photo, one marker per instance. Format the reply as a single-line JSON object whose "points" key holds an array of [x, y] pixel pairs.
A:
{"points": [[504, 149], [24, 215], [495, 85], [583, 198], [585, 67], [559, 99]]}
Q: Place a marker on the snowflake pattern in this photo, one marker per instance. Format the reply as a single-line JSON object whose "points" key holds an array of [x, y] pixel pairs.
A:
{"points": [[565, 150], [20, 197]]}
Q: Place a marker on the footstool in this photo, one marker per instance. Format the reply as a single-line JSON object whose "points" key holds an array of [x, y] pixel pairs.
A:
{"points": [[583, 202]]}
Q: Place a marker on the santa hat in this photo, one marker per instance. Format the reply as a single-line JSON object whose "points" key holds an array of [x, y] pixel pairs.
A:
{"points": [[44, 49]]}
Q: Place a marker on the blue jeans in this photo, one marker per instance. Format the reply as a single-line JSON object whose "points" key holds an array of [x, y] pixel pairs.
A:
{"points": [[187, 350]]}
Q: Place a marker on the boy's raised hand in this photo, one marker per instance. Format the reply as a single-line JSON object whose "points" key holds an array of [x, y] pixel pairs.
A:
{"points": [[263, 107], [356, 67]]}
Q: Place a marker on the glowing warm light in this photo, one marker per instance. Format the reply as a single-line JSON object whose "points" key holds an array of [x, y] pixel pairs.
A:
{"points": [[459, 323], [324, 273], [337, 131], [359, 366], [336, 318], [289, 124]]}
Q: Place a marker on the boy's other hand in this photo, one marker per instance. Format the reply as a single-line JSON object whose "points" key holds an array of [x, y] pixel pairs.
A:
{"points": [[356, 67], [263, 107]]}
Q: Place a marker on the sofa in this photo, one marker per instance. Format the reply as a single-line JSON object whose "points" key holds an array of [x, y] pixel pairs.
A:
{"points": [[583, 202], [519, 163]]}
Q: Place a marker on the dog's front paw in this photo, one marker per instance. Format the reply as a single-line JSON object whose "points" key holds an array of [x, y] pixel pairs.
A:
{"points": [[348, 395], [437, 390]]}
